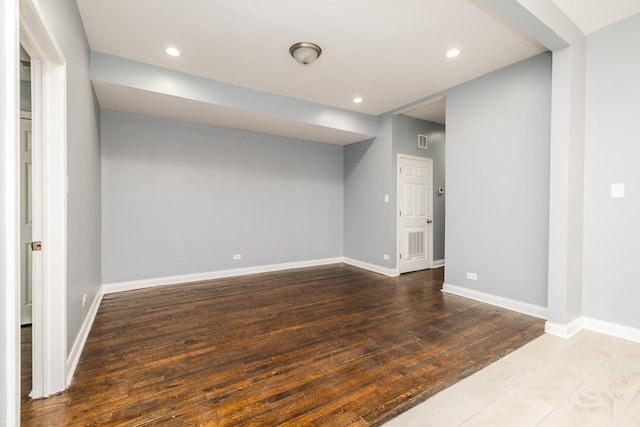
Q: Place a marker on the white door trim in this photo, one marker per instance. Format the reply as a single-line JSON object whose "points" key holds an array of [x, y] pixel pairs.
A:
{"points": [[49, 121], [9, 215], [398, 207]]}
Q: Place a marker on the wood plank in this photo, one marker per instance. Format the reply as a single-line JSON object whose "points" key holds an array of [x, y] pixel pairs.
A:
{"points": [[331, 345]]}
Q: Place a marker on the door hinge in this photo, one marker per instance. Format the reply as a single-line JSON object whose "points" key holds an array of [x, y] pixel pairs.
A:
{"points": [[400, 213], [401, 171], [400, 255]]}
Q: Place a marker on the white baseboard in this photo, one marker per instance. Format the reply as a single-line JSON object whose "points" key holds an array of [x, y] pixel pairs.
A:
{"points": [[391, 272], [510, 304], [595, 325], [613, 329], [437, 263], [81, 339], [110, 288], [564, 331]]}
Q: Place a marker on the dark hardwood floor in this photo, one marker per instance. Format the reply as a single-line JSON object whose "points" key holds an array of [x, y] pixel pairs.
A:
{"points": [[324, 346], [25, 360]]}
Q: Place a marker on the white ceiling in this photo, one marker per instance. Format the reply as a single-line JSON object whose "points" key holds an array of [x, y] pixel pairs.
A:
{"points": [[137, 101], [391, 53], [592, 15], [433, 111]]}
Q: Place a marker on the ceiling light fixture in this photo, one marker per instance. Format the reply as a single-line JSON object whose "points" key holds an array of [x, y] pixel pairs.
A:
{"points": [[452, 53], [172, 51], [305, 52], [357, 100]]}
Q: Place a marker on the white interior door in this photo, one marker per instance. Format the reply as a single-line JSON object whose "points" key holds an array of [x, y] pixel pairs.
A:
{"points": [[26, 221], [415, 213]]}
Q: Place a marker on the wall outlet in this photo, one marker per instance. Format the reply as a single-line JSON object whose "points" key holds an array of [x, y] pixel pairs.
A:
{"points": [[386, 256], [472, 276], [84, 300], [386, 198], [237, 257]]}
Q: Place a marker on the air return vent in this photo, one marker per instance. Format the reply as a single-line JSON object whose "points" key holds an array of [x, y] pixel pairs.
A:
{"points": [[422, 141], [415, 244]]}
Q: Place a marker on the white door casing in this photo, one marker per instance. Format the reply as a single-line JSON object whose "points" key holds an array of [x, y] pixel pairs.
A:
{"points": [[415, 213], [9, 216], [49, 132], [26, 221]]}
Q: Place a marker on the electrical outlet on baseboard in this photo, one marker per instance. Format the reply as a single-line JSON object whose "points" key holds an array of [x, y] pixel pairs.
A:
{"points": [[472, 276], [237, 257], [386, 257]]}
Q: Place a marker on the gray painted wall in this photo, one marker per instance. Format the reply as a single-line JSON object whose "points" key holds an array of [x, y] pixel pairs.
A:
{"points": [[497, 172], [181, 198], [369, 222], [611, 226], [83, 164], [405, 141]]}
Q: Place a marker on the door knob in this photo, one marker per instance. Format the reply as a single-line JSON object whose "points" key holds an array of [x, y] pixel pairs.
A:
{"points": [[429, 221], [36, 246]]}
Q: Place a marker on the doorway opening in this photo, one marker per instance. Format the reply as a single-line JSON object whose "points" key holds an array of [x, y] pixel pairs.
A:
{"points": [[419, 132], [26, 223]]}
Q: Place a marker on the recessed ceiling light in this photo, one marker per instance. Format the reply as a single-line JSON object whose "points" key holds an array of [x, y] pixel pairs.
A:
{"points": [[357, 100], [172, 51], [452, 53]]}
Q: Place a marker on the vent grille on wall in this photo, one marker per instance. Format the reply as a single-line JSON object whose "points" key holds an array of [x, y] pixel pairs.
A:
{"points": [[415, 244], [422, 141]]}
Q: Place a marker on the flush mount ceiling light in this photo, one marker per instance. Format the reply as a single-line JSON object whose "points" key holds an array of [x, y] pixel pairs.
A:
{"points": [[452, 53], [172, 51], [357, 100], [305, 52]]}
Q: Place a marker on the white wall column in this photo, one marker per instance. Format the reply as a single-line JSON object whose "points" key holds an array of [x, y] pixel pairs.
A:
{"points": [[546, 23], [567, 186]]}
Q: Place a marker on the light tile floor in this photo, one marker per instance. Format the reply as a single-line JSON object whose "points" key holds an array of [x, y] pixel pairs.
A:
{"points": [[589, 380]]}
